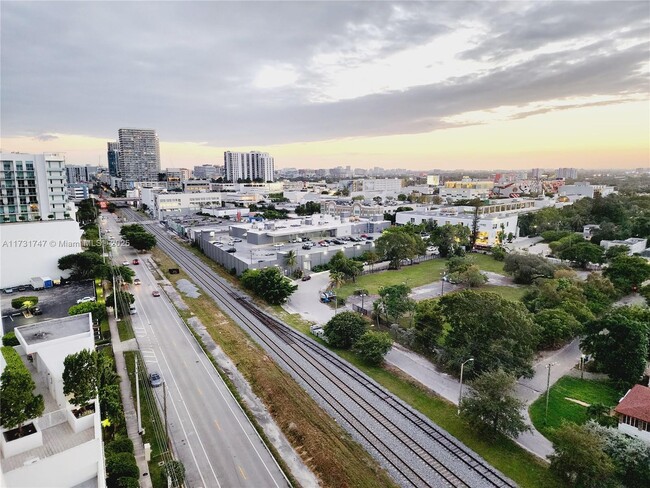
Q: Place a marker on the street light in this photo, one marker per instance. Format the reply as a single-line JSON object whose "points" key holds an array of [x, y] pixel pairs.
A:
{"points": [[460, 394]]}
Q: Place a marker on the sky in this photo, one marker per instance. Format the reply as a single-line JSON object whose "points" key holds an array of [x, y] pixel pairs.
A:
{"points": [[417, 85]]}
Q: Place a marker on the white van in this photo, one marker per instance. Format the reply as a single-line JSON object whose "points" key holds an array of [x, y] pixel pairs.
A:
{"points": [[132, 309]]}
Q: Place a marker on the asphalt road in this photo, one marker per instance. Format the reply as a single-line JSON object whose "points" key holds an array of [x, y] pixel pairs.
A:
{"points": [[211, 435]]}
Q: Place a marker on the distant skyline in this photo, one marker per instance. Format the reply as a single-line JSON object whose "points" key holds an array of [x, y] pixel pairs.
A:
{"points": [[415, 85]]}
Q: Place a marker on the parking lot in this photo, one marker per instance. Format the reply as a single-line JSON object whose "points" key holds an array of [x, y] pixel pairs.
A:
{"points": [[53, 302]]}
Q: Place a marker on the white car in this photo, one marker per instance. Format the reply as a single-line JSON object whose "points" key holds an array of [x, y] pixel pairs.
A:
{"points": [[86, 300], [279, 244], [125, 263]]}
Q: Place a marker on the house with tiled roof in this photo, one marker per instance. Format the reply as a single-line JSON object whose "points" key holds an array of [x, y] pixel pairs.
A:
{"points": [[633, 413]]}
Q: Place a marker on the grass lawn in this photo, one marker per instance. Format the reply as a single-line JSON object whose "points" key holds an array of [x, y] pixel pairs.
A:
{"points": [[559, 409], [417, 275], [507, 292]]}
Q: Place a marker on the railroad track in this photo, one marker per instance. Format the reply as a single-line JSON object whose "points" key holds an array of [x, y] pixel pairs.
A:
{"points": [[409, 456]]}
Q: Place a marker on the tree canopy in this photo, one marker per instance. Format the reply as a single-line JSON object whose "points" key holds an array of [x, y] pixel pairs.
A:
{"points": [[619, 343], [349, 268], [269, 284], [451, 240], [526, 268], [491, 407], [398, 243], [497, 333], [395, 301], [429, 324], [18, 404], [98, 310], [80, 377], [627, 272], [83, 265], [373, 346], [345, 329]]}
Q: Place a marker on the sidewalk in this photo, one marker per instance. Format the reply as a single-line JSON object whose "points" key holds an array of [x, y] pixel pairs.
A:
{"points": [[127, 400]]}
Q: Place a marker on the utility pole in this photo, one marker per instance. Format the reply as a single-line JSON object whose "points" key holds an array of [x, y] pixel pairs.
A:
{"points": [[165, 413], [460, 394], [548, 388], [137, 396]]}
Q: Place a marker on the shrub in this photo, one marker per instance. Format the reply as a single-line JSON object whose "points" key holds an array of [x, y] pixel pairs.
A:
{"points": [[10, 340], [23, 302], [120, 465], [373, 346], [123, 444], [345, 329]]}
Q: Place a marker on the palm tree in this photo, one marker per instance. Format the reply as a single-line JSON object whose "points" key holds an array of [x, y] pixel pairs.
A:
{"points": [[337, 279], [291, 259], [376, 309]]}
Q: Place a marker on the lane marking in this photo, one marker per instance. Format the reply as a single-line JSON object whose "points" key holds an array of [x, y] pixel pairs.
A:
{"points": [[216, 422], [241, 470]]}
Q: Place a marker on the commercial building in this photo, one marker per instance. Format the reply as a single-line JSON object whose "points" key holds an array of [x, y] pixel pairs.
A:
{"points": [[196, 186], [31, 249], [252, 165], [33, 187], [433, 180], [466, 190], [383, 184], [352, 209], [139, 155], [113, 155], [489, 224], [65, 450], [80, 174], [207, 172], [169, 204]]}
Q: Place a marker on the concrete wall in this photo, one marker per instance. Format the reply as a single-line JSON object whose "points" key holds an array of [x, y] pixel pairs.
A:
{"points": [[34, 248], [644, 435]]}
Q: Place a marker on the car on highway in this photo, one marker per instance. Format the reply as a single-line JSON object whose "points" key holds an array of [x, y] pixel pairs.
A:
{"points": [[86, 300], [308, 245], [323, 244], [137, 281], [155, 293], [155, 380], [135, 261]]}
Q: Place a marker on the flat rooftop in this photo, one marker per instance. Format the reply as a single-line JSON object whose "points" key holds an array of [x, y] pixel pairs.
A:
{"points": [[55, 329]]}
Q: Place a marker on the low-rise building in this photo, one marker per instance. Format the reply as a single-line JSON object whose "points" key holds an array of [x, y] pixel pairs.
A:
{"points": [[196, 186], [635, 245], [382, 184], [167, 204], [352, 209], [633, 413], [65, 450], [78, 191], [466, 190], [584, 190], [489, 224]]}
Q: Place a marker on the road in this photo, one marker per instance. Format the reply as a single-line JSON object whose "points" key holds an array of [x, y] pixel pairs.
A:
{"points": [[210, 433]]}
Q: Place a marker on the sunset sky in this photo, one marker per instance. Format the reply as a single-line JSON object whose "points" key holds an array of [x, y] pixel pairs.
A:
{"points": [[449, 85]]}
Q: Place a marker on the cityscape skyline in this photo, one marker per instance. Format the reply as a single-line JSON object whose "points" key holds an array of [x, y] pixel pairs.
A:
{"points": [[410, 85]]}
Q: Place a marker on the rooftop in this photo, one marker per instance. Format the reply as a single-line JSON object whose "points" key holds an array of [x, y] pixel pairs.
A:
{"points": [[55, 329], [636, 403]]}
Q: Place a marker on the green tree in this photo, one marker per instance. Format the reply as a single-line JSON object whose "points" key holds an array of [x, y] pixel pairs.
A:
{"points": [[82, 266], [556, 327], [627, 272], [174, 470], [398, 243], [614, 251], [373, 346], [496, 332], [80, 377], [630, 455], [120, 465], [125, 273], [124, 300], [142, 241], [18, 404], [269, 284], [498, 253], [21, 303], [579, 458], [291, 259], [429, 324], [451, 240], [337, 279], [526, 268], [345, 329], [491, 407], [110, 404], [471, 277], [599, 292], [583, 253], [619, 342], [349, 268], [98, 310], [395, 301]]}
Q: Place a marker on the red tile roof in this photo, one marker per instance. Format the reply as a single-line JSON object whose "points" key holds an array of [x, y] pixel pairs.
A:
{"points": [[636, 403]]}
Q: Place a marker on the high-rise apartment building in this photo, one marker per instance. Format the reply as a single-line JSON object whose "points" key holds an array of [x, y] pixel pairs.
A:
{"points": [[568, 173], [80, 174], [139, 155], [207, 171], [33, 187], [252, 165], [112, 153]]}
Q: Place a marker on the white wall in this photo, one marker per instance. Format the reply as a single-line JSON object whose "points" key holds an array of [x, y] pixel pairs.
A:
{"points": [[644, 435], [29, 249]]}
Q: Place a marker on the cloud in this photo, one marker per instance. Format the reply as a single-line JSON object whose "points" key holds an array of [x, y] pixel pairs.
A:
{"points": [[46, 137], [235, 74]]}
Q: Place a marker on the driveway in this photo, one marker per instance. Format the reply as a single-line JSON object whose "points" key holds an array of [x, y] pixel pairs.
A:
{"points": [[306, 299]]}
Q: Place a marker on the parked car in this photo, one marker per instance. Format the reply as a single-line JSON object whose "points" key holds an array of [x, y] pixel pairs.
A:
{"points": [[137, 281], [155, 293], [231, 250], [9, 290], [135, 261], [86, 300], [369, 238], [236, 239], [278, 244], [323, 244], [306, 277], [37, 311], [155, 380], [306, 246], [125, 263]]}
